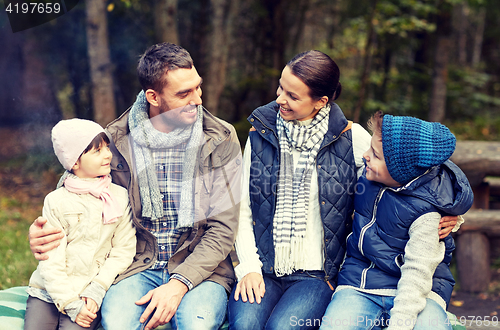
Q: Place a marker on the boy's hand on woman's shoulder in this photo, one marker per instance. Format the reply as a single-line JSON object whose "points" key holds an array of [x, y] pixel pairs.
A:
{"points": [[446, 225]]}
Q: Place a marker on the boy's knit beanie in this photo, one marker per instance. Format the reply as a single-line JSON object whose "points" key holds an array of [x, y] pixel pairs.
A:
{"points": [[71, 137], [411, 146]]}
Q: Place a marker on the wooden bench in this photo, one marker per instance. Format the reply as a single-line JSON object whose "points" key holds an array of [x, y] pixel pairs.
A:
{"points": [[479, 160], [13, 309], [473, 249]]}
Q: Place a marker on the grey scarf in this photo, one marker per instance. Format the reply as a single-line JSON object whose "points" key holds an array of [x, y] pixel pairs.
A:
{"points": [[290, 218], [145, 138]]}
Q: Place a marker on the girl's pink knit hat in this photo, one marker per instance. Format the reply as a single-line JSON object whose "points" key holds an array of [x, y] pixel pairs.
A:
{"points": [[71, 137]]}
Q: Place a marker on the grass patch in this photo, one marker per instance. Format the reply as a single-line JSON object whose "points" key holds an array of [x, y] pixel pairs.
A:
{"points": [[16, 261]]}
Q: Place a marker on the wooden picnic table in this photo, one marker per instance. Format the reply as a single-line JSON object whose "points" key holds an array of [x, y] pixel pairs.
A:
{"points": [[477, 159]]}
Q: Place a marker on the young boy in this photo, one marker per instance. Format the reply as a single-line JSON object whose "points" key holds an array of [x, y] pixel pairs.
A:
{"points": [[100, 239], [395, 273]]}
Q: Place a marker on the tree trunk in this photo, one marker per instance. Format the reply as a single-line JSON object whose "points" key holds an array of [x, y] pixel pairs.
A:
{"points": [[437, 104], [277, 9], [303, 13], [437, 107], [222, 14], [478, 37], [12, 89], [39, 103], [334, 23], [460, 23], [366, 65], [99, 62], [165, 18]]}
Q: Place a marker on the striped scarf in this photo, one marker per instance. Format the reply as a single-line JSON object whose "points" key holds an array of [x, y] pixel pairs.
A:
{"points": [[290, 218], [146, 138]]}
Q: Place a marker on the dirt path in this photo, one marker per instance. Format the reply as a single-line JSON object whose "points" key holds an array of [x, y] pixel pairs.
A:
{"points": [[474, 309]]}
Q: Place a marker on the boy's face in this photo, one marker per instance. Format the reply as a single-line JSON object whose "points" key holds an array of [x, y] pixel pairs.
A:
{"points": [[94, 163], [376, 168]]}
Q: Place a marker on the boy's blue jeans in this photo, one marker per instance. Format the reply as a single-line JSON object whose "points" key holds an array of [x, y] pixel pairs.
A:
{"points": [[355, 310], [203, 307], [295, 301]]}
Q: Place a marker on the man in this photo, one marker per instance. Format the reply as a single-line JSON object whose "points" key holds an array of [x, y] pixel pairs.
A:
{"points": [[182, 167]]}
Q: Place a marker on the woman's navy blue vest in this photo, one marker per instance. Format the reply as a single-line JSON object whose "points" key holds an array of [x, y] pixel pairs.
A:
{"points": [[336, 182]]}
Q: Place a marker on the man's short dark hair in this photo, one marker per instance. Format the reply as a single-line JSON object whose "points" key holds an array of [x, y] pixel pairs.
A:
{"points": [[157, 61]]}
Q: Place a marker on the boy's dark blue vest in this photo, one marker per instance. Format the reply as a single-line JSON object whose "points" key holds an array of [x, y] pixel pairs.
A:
{"points": [[336, 182], [383, 242]]}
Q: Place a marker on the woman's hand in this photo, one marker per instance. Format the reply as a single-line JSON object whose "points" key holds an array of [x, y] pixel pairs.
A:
{"points": [[43, 240], [250, 285], [446, 225]]}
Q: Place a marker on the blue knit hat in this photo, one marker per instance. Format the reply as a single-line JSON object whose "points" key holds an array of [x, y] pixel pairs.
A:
{"points": [[411, 146]]}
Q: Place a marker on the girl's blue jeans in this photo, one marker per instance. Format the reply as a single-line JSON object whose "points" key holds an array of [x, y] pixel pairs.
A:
{"points": [[355, 310], [203, 307], [295, 301]]}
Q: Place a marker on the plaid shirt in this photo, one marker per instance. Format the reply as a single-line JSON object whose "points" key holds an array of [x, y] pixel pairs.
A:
{"points": [[168, 164]]}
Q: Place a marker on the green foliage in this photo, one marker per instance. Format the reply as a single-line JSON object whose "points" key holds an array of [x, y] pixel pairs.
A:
{"points": [[16, 261], [472, 106], [401, 17]]}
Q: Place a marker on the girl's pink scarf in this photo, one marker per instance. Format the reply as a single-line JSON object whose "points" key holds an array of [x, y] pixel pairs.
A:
{"points": [[99, 189]]}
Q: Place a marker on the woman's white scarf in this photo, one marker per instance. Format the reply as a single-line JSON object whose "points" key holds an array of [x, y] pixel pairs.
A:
{"points": [[290, 218], [145, 138]]}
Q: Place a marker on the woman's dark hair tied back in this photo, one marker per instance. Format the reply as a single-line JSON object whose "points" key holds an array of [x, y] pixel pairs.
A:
{"points": [[338, 91], [319, 72]]}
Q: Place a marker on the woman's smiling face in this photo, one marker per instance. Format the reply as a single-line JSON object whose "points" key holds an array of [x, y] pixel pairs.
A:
{"points": [[293, 97]]}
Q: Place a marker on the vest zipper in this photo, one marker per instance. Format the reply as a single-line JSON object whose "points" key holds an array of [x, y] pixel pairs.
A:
{"points": [[324, 249], [363, 275], [276, 197], [372, 221]]}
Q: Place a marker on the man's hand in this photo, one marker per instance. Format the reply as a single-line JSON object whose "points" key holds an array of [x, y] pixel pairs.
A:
{"points": [[251, 284], [43, 240], [165, 299], [86, 317], [446, 225]]}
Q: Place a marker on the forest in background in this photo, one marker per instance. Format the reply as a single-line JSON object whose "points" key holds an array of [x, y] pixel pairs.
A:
{"points": [[434, 59]]}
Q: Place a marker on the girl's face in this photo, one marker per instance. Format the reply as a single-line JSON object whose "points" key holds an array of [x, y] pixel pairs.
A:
{"points": [[94, 163], [294, 100]]}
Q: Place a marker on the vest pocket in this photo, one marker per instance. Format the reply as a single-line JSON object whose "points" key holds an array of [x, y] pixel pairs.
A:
{"points": [[72, 223]]}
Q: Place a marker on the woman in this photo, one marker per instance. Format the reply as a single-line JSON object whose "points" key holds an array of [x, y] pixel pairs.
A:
{"points": [[301, 162]]}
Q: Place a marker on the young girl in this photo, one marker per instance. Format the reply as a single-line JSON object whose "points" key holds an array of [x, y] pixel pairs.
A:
{"points": [[66, 290]]}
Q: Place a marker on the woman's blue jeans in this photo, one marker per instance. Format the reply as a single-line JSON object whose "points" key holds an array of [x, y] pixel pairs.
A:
{"points": [[295, 301], [355, 310], [203, 307]]}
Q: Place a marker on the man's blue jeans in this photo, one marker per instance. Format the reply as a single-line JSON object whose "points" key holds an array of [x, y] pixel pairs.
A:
{"points": [[355, 310], [203, 307], [295, 301]]}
